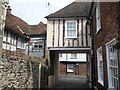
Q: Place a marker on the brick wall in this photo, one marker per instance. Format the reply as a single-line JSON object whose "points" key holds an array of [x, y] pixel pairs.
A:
{"points": [[109, 31], [82, 69], [62, 68]]}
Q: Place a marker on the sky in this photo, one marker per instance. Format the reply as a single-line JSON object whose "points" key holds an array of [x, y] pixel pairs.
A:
{"points": [[34, 11]]}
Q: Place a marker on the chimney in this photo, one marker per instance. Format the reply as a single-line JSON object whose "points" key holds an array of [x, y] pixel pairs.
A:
{"points": [[9, 10]]}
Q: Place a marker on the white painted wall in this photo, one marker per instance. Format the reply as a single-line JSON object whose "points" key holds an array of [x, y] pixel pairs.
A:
{"points": [[81, 57]]}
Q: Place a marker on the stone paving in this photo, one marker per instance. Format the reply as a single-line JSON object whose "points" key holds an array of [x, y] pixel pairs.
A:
{"points": [[71, 81]]}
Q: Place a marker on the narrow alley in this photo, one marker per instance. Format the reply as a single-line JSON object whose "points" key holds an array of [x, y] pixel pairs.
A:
{"points": [[71, 81], [59, 44]]}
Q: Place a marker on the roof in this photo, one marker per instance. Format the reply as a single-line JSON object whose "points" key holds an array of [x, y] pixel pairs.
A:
{"points": [[41, 28], [20, 27], [16, 25], [75, 9]]}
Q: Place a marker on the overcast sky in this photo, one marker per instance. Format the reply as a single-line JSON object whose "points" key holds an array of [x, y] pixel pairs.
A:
{"points": [[34, 11]]}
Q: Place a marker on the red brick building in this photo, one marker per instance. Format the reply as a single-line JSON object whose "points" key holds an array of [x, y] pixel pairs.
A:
{"points": [[79, 69], [105, 17]]}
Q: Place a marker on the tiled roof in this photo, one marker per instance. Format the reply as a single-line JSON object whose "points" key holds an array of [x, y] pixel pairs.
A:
{"points": [[18, 26], [75, 9], [41, 28]]}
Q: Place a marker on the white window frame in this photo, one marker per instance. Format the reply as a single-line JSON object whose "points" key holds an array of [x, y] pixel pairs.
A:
{"points": [[109, 67], [98, 19], [100, 73], [70, 68], [74, 21], [20, 44]]}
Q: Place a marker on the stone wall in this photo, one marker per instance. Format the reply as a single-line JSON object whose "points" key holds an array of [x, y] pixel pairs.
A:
{"points": [[19, 71]]}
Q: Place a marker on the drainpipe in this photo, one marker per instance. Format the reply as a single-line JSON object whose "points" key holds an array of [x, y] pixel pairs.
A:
{"points": [[90, 18], [91, 51], [44, 45]]}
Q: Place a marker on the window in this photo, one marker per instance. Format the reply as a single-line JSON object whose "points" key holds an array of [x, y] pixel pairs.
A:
{"points": [[100, 65], [112, 65], [98, 23], [38, 44], [20, 44], [73, 55], [70, 29], [70, 68]]}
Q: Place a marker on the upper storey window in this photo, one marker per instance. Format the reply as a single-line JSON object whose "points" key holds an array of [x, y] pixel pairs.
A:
{"points": [[70, 29]]}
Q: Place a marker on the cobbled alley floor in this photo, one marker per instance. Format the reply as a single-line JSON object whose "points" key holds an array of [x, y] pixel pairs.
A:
{"points": [[71, 81]]}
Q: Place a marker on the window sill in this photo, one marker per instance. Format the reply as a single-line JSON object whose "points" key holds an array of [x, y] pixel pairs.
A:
{"points": [[73, 58], [70, 38]]}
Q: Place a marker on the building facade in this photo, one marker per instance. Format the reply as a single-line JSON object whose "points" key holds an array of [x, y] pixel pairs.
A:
{"points": [[14, 38], [73, 64], [67, 32], [106, 35], [3, 7], [37, 43]]}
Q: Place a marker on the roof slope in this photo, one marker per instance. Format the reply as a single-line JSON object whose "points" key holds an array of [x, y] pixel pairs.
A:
{"points": [[75, 9], [41, 28], [16, 24]]}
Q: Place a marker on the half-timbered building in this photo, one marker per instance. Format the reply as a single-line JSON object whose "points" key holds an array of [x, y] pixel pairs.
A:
{"points": [[67, 32], [14, 38], [37, 43]]}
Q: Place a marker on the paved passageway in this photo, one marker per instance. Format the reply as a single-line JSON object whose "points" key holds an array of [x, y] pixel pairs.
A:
{"points": [[71, 81]]}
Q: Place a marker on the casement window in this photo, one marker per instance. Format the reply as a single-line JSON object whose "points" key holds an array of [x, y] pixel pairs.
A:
{"points": [[5, 36], [112, 62], [38, 44], [71, 29], [73, 55], [70, 68], [20, 44], [9, 37], [98, 21], [100, 65]]}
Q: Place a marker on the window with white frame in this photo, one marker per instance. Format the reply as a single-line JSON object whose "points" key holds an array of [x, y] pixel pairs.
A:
{"points": [[112, 65], [70, 68], [100, 65], [70, 29], [98, 22], [73, 55]]}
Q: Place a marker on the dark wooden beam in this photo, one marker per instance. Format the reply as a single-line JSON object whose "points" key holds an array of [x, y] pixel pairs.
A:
{"points": [[63, 32], [58, 32], [78, 32], [53, 32], [82, 32], [86, 35]]}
